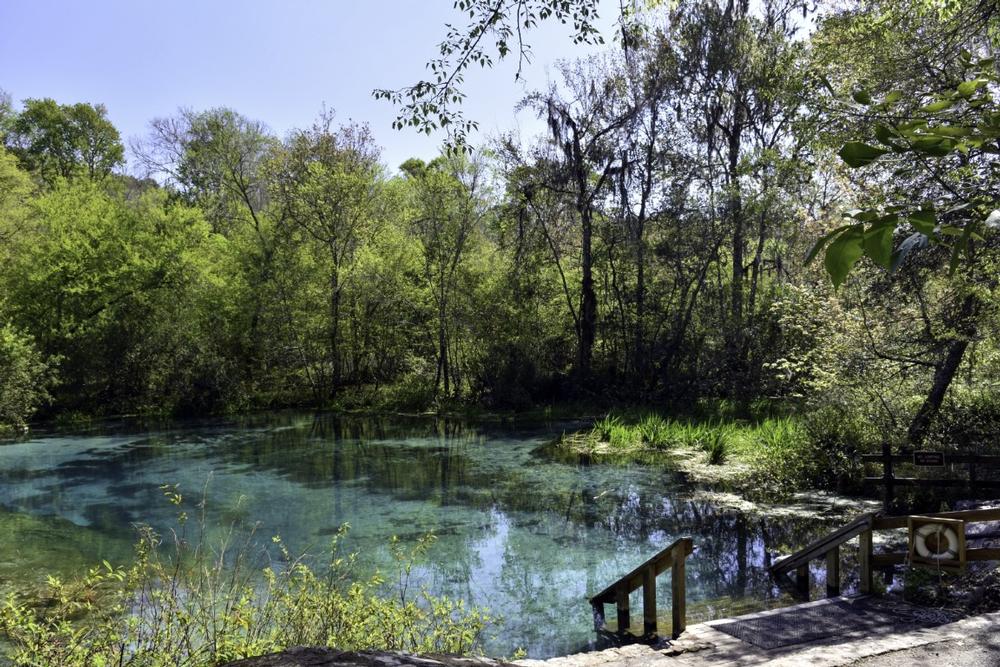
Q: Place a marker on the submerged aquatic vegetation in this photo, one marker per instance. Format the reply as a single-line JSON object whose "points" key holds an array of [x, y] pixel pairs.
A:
{"points": [[197, 604]]}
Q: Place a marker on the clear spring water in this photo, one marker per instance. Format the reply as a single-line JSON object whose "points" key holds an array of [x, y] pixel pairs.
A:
{"points": [[519, 530]]}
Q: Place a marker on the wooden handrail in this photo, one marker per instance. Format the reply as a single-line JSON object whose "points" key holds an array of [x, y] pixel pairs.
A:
{"points": [[823, 545], [969, 516], [644, 576], [864, 527]]}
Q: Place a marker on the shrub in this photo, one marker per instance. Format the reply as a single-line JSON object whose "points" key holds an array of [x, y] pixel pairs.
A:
{"points": [[25, 378], [195, 606]]}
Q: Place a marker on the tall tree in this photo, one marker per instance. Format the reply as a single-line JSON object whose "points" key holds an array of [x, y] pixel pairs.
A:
{"points": [[328, 182], [63, 141]]}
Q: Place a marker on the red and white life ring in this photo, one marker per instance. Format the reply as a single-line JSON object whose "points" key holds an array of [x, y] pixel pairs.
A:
{"points": [[940, 531]]}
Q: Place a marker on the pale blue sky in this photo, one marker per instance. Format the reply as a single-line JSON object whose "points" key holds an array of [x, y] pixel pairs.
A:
{"points": [[276, 61]]}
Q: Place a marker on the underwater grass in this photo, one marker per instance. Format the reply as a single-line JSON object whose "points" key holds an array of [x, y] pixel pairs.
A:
{"points": [[186, 601]]}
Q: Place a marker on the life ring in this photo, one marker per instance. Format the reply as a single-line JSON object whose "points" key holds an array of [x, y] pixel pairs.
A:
{"points": [[921, 534]]}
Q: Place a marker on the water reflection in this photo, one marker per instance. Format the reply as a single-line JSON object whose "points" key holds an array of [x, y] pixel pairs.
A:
{"points": [[519, 530]]}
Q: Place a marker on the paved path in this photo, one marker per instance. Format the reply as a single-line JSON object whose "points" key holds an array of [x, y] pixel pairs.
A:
{"points": [[971, 642]]}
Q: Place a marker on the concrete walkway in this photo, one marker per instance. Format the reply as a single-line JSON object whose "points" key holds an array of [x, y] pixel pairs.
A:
{"points": [[703, 645]]}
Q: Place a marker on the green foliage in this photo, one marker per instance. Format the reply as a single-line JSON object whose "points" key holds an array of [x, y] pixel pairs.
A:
{"points": [[654, 431], [717, 447], [25, 378], [435, 104], [770, 457], [957, 126], [183, 603], [64, 141]]}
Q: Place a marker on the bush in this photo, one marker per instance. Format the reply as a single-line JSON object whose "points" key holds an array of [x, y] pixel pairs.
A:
{"points": [[25, 378], [197, 606]]}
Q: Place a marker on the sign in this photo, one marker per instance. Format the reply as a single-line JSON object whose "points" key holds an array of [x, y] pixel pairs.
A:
{"points": [[928, 459]]}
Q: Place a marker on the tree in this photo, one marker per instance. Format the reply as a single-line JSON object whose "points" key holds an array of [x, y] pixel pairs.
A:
{"points": [[25, 378], [938, 132], [88, 278], [327, 182], [579, 161], [448, 210], [432, 105], [64, 141], [216, 160]]}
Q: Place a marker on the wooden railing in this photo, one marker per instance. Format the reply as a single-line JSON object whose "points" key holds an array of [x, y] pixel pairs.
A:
{"points": [[644, 576], [974, 465], [829, 548], [863, 528]]}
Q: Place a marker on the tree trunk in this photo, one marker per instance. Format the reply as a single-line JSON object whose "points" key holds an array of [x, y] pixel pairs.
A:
{"points": [[736, 333], [334, 332], [588, 298], [944, 373]]}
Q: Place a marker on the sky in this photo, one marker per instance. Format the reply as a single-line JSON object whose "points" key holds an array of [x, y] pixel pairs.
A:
{"points": [[277, 61]]}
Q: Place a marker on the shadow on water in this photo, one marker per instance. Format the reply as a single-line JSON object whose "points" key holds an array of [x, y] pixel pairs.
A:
{"points": [[521, 531]]}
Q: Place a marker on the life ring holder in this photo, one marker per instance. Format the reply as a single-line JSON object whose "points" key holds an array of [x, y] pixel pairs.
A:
{"points": [[940, 531], [949, 531]]}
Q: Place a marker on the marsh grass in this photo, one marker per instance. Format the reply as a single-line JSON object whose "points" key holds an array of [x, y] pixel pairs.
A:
{"points": [[768, 455], [188, 601]]}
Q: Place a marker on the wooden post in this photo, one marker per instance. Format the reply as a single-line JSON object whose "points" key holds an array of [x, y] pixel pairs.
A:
{"points": [[888, 477], [649, 601], [865, 562], [678, 611], [802, 581], [833, 572], [621, 601], [598, 608]]}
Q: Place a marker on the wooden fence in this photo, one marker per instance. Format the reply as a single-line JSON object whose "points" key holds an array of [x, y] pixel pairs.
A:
{"points": [[974, 465]]}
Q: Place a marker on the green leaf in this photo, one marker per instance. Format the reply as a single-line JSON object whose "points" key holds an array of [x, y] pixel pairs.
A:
{"points": [[923, 221], [940, 105], [885, 135], [877, 243], [858, 154], [967, 88], [934, 147], [893, 97], [862, 97], [822, 241], [951, 131], [843, 253]]}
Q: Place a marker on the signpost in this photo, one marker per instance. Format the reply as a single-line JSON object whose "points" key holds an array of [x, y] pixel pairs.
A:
{"points": [[928, 459]]}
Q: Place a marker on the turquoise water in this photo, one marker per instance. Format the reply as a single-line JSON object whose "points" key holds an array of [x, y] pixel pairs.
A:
{"points": [[519, 531]]}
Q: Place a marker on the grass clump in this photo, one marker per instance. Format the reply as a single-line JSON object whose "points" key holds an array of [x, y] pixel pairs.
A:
{"points": [[196, 606], [717, 448], [767, 455], [654, 431]]}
